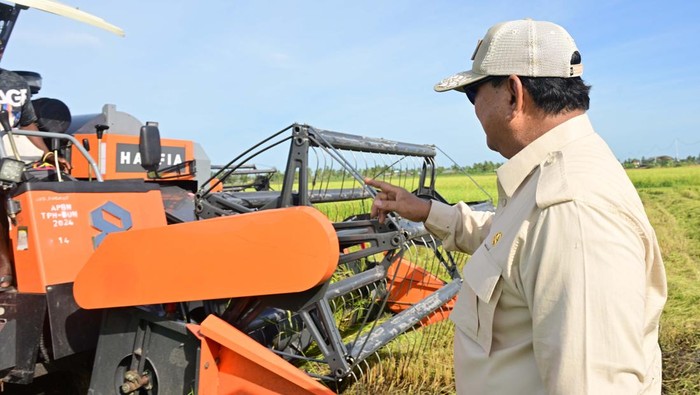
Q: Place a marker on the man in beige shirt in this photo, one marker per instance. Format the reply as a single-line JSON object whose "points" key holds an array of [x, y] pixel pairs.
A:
{"points": [[565, 286]]}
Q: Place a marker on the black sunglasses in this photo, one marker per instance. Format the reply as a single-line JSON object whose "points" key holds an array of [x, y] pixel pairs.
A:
{"points": [[471, 90]]}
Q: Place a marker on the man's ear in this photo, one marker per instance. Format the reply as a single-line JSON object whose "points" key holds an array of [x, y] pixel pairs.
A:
{"points": [[517, 94]]}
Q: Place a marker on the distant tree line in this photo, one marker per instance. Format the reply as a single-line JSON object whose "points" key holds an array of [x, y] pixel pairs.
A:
{"points": [[485, 167], [631, 163], [660, 161]]}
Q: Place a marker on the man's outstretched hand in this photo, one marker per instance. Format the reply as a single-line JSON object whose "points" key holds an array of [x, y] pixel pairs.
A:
{"points": [[392, 198]]}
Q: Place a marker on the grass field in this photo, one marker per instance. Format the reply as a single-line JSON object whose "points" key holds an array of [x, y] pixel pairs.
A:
{"points": [[672, 200]]}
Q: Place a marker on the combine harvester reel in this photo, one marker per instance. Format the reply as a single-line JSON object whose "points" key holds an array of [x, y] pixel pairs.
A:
{"points": [[275, 289], [391, 278]]}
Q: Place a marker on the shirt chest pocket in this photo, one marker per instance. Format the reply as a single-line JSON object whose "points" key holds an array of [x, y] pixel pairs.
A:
{"points": [[476, 304]]}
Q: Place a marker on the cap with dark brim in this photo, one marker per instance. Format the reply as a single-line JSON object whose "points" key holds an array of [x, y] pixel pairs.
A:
{"points": [[458, 81]]}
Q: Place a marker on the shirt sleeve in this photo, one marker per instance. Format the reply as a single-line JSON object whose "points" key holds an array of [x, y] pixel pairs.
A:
{"points": [[583, 275], [459, 227], [28, 114]]}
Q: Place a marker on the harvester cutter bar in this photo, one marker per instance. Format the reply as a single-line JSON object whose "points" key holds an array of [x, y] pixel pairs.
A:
{"points": [[369, 343]]}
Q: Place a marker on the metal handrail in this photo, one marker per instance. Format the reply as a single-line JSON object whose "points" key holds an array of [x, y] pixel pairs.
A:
{"points": [[60, 136]]}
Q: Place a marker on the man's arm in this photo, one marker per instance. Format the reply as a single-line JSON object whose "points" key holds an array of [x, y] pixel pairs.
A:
{"points": [[583, 276], [457, 226], [28, 120], [39, 143], [391, 198]]}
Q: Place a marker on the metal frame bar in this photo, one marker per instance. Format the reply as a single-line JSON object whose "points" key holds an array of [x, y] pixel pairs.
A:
{"points": [[60, 136], [8, 15]]}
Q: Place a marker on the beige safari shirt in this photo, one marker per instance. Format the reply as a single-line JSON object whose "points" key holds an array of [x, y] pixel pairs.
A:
{"points": [[565, 286]]}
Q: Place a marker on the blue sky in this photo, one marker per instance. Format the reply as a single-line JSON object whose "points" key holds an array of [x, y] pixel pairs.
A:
{"points": [[229, 73]]}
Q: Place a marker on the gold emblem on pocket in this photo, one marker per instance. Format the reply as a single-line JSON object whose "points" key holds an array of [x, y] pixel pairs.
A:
{"points": [[496, 238]]}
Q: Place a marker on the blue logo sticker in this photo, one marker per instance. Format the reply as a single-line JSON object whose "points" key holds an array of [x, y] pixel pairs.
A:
{"points": [[99, 222]]}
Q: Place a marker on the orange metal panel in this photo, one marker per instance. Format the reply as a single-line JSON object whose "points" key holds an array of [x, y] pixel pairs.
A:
{"points": [[233, 363], [54, 234], [267, 252], [121, 159], [411, 284], [207, 371]]}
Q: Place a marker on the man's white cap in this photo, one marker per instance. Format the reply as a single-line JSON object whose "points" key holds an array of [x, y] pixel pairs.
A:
{"points": [[525, 48]]}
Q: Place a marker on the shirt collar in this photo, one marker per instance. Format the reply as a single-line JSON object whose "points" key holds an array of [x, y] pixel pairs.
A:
{"points": [[517, 168]]}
